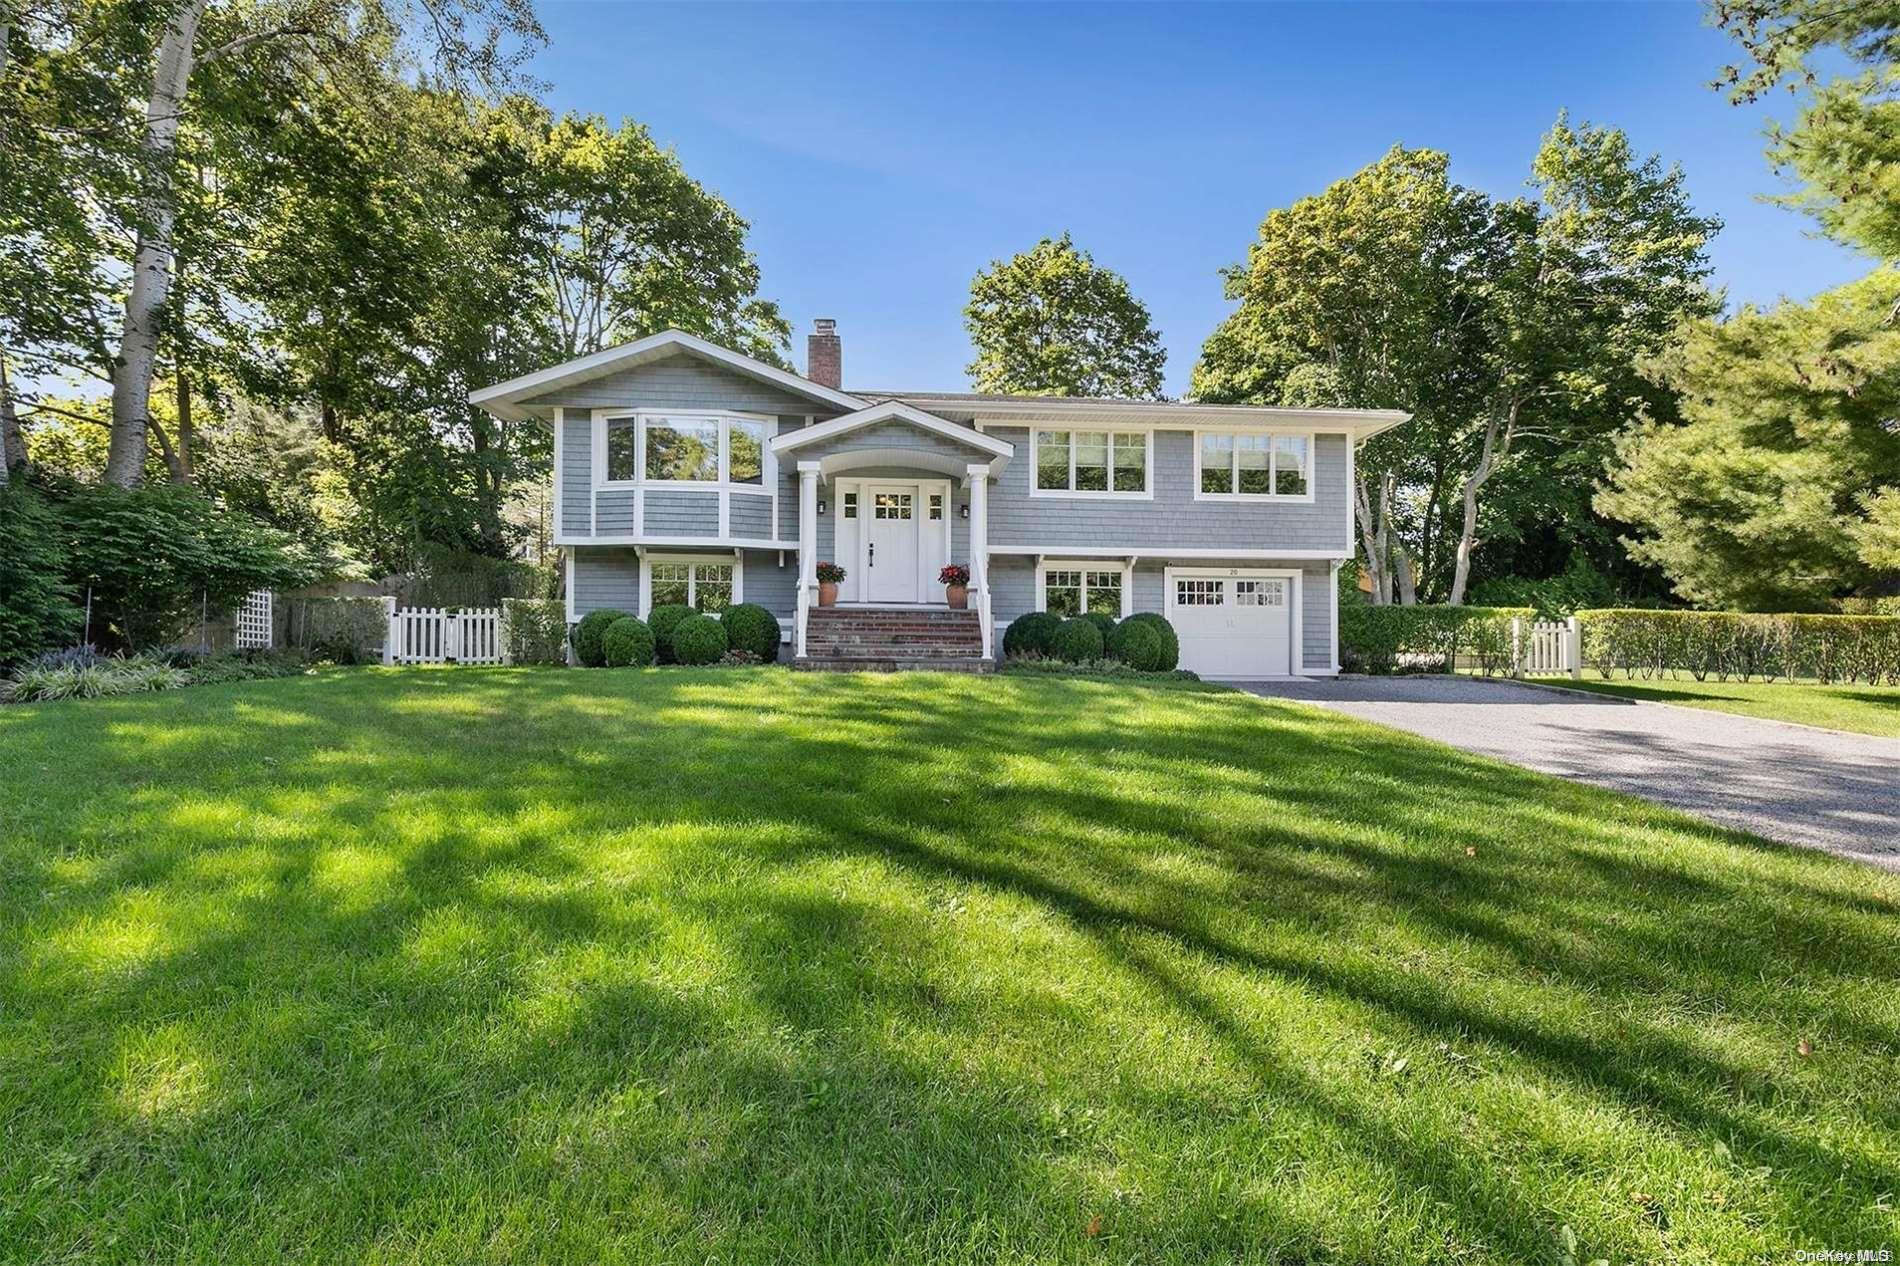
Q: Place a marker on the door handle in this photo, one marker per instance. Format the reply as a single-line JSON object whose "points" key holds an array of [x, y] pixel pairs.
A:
{"points": [[871, 561]]}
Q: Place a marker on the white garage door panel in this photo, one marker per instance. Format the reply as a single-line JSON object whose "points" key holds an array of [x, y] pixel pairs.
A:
{"points": [[1233, 623]]}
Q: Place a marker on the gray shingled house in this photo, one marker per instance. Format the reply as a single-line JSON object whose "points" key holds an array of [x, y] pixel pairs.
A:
{"points": [[686, 472]]}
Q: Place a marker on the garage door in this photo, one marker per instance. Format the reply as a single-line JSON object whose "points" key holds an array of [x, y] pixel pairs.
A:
{"points": [[1233, 623]]}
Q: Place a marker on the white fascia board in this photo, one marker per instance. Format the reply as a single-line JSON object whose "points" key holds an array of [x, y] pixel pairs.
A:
{"points": [[1165, 415], [500, 399], [887, 411], [1164, 552]]}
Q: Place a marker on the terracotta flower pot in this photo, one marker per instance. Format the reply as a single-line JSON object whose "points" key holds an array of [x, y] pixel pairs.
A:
{"points": [[827, 593], [958, 596]]}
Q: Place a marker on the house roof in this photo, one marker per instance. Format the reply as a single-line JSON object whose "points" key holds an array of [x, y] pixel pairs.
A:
{"points": [[986, 408], [504, 399]]}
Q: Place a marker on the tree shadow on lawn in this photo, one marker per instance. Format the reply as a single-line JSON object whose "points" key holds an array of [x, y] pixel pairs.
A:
{"points": [[715, 963]]}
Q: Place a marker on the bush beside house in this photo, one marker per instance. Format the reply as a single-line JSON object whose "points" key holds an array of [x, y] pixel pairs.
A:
{"points": [[699, 639], [752, 629], [627, 643], [1385, 639]]}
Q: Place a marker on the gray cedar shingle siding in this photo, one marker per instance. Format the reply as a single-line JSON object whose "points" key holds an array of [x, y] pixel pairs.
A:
{"points": [[750, 515], [606, 576], [686, 512], [576, 474], [1173, 517], [680, 382]]}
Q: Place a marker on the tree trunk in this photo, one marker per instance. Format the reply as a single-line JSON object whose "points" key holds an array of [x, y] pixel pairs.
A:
{"points": [[12, 442], [1406, 576], [181, 466], [1369, 540], [1498, 431], [152, 259], [165, 450]]}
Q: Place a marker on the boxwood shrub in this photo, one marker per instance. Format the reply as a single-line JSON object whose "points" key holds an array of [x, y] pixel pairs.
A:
{"points": [[587, 635], [1146, 641], [1077, 640], [751, 628], [628, 643], [1103, 622], [663, 619], [699, 639], [1032, 634]]}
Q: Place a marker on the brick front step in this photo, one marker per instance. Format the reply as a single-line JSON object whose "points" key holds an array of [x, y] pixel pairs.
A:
{"points": [[892, 664]]}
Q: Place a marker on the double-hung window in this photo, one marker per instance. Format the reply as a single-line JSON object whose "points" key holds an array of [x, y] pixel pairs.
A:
{"points": [[660, 448], [1074, 591], [707, 586], [1243, 464], [1091, 462]]}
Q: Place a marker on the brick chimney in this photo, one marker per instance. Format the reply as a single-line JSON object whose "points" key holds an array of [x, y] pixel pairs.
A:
{"points": [[824, 354]]}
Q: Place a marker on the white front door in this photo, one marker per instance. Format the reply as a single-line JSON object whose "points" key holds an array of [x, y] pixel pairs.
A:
{"points": [[890, 542], [1232, 622]]}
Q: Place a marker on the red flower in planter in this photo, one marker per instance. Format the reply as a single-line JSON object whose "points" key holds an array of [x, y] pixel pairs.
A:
{"points": [[955, 574], [830, 574]]}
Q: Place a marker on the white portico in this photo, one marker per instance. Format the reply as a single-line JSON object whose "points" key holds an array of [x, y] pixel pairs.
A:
{"points": [[890, 493]]}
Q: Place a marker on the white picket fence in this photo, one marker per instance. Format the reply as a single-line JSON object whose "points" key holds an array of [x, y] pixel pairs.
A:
{"points": [[431, 635], [1547, 647]]}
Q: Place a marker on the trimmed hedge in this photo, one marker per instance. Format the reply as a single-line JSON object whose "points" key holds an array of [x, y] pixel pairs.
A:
{"points": [[1031, 634], [1077, 640], [1145, 641], [587, 635], [753, 629], [1384, 639], [1725, 645], [628, 643], [698, 639], [534, 630], [1104, 622], [663, 619]]}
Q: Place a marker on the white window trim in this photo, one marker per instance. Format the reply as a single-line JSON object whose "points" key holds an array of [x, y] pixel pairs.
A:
{"points": [[733, 560], [1086, 565], [1285, 498], [1072, 493], [724, 417]]}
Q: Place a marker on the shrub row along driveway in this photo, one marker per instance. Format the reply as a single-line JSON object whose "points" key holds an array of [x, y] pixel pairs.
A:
{"points": [[1820, 788]]}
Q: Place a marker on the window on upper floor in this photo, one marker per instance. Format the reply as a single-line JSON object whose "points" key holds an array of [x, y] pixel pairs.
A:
{"points": [[1238, 464], [1093, 462], [688, 448]]}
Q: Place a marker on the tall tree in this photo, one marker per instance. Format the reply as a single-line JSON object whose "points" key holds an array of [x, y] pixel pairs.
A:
{"points": [[1356, 297], [1844, 146], [631, 244], [1051, 322], [295, 44], [1778, 490], [1512, 331]]}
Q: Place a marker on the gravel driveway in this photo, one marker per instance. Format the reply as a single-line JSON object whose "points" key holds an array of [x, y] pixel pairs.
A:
{"points": [[1820, 788]]}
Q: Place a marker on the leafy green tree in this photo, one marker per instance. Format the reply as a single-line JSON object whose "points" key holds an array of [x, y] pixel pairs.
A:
{"points": [[630, 245], [1844, 146], [1050, 322], [1512, 331], [1778, 489]]}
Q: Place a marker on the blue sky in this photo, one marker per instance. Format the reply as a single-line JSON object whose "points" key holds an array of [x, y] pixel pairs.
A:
{"points": [[884, 153]]}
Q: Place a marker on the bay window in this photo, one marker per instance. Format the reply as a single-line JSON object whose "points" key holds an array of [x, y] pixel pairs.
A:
{"points": [[657, 448], [1239, 464], [1091, 462]]}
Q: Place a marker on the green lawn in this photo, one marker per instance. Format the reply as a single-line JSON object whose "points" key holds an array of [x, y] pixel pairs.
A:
{"points": [[739, 965], [1864, 709]]}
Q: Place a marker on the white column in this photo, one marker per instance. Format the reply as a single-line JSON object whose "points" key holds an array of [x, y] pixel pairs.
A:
{"points": [[808, 523], [807, 551], [980, 545]]}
